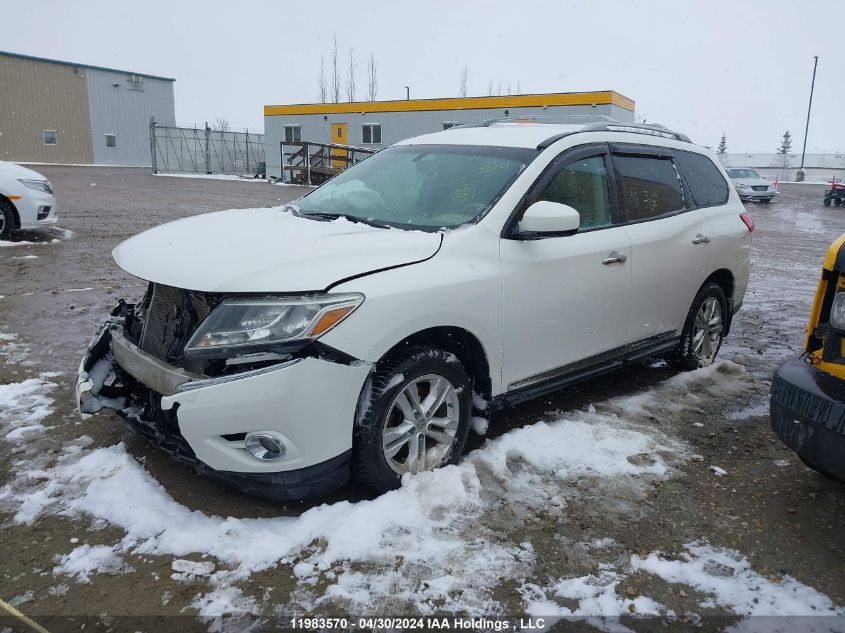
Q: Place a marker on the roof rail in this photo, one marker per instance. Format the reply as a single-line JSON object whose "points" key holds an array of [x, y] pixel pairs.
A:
{"points": [[561, 119], [653, 129]]}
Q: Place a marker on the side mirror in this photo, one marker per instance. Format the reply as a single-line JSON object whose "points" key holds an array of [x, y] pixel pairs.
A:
{"points": [[548, 219]]}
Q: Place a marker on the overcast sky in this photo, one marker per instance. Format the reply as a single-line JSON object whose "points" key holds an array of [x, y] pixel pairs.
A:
{"points": [[703, 67]]}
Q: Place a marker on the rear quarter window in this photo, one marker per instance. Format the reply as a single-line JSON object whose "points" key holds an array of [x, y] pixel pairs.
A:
{"points": [[707, 185], [651, 186]]}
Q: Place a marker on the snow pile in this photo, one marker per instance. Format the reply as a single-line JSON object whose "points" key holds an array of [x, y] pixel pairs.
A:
{"points": [[594, 597], [87, 559], [24, 405], [12, 351], [722, 575], [730, 582]]}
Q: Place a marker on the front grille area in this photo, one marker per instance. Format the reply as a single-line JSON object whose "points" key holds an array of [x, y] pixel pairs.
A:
{"points": [[171, 318], [760, 187]]}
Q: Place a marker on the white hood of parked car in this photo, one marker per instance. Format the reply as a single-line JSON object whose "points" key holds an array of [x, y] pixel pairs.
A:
{"points": [[752, 182], [13, 170], [266, 250]]}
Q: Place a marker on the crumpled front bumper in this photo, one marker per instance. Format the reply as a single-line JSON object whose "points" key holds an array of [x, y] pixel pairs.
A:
{"points": [[308, 402]]}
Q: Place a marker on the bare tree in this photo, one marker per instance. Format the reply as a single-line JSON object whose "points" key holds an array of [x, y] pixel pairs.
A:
{"points": [[462, 86], [322, 90], [509, 89], [518, 89], [500, 88], [335, 78], [350, 77], [372, 78], [221, 124]]}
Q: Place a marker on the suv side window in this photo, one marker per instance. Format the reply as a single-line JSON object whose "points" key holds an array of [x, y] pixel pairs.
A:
{"points": [[706, 183], [583, 185], [650, 186]]}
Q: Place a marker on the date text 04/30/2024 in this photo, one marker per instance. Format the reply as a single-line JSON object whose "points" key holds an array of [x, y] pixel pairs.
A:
{"points": [[415, 623]]}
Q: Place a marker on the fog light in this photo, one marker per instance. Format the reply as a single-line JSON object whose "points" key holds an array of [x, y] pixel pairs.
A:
{"points": [[265, 446], [43, 212]]}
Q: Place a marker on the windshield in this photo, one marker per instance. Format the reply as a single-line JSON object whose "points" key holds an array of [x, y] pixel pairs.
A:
{"points": [[743, 173], [421, 186]]}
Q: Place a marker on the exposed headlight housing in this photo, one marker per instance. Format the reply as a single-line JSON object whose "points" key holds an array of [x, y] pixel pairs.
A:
{"points": [[837, 311], [739, 185], [39, 185], [241, 326]]}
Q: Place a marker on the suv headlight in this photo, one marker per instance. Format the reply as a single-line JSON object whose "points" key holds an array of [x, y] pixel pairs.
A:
{"points": [[837, 311], [247, 325], [39, 185]]}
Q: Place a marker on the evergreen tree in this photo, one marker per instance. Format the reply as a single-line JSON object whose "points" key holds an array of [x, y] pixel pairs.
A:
{"points": [[786, 143], [723, 145]]}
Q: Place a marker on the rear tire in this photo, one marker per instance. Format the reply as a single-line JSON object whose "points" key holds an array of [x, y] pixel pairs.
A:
{"points": [[7, 220], [704, 330], [398, 433], [837, 202]]}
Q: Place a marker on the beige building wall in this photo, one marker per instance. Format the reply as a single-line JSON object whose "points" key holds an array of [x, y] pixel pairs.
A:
{"points": [[37, 96]]}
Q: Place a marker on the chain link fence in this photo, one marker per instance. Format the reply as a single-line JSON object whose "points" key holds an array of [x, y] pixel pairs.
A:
{"points": [[202, 150]]}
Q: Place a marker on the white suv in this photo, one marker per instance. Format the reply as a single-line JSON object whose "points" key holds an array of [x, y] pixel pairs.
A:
{"points": [[358, 330]]}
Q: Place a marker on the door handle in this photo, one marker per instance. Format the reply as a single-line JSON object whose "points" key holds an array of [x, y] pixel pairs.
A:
{"points": [[614, 258], [701, 238]]}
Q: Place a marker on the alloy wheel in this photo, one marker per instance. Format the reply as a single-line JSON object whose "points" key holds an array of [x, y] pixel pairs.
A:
{"points": [[421, 425], [707, 332]]}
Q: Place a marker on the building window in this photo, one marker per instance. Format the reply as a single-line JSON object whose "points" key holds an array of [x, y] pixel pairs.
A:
{"points": [[371, 133], [293, 134], [451, 124], [135, 82], [111, 140], [50, 137]]}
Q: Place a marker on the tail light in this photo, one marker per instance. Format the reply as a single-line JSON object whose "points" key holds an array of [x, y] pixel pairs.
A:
{"points": [[749, 222]]}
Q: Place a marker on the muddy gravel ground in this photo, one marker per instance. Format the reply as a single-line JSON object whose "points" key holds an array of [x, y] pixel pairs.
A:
{"points": [[784, 520]]}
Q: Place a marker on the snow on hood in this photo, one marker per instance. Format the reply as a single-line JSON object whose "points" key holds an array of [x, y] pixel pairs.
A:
{"points": [[266, 250], [18, 171]]}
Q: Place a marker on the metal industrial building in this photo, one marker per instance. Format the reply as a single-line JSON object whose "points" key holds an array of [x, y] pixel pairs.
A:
{"points": [[61, 112], [376, 124]]}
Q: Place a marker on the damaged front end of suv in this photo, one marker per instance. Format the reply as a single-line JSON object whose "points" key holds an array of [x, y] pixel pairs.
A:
{"points": [[226, 384]]}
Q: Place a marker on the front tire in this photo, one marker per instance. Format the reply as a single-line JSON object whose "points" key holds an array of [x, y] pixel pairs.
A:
{"points": [[7, 220], [704, 330], [417, 417]]}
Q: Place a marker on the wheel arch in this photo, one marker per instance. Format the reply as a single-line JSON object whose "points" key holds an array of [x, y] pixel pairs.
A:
{"points": [[724, 278], [466, 347]]}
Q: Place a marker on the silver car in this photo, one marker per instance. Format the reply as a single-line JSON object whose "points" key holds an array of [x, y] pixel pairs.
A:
{"points": [[751, 186]]}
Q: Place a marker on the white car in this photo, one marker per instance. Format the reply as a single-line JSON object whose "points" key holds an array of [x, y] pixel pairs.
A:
{"points": [[26, 199], [752, 186], [360, 329]]}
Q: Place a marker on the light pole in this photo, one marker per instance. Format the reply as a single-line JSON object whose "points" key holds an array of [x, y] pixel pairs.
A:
{"points": [[407, 93], [800, 175]]}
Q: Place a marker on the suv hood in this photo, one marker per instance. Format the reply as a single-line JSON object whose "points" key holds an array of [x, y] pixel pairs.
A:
{"points": [[266, 250]]}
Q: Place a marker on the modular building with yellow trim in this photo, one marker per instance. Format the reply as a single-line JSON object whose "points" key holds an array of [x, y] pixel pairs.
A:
{"points": [[377, 124]]}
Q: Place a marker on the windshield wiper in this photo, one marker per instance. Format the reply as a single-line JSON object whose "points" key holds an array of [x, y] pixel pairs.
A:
{"points": [[329, 216]]}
